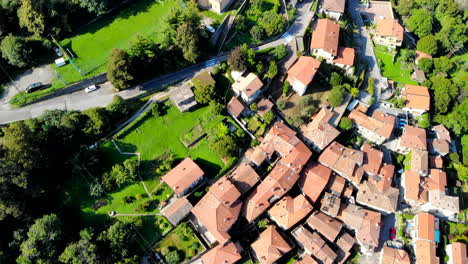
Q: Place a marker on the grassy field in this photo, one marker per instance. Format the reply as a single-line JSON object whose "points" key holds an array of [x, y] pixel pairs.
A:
{"points": [[93, 43], [393, 70], [183, 240]]}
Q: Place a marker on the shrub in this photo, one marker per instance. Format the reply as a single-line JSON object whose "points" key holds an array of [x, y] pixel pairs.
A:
{"points": [[268, 117], [128, 199], [281, 105], [172, 257], [254, 107], [346, 123], [263, 223], [336, 96], [286, 88], [155, 110]]}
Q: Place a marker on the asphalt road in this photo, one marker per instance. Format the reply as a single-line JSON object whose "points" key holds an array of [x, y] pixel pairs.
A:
{"points": [[102, 97]]}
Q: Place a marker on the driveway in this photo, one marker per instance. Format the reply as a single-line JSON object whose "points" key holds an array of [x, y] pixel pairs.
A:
{"points": [[366, 48], [44, 74]]}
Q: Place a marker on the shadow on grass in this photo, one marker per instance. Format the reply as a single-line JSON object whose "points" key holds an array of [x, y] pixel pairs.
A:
{"points": [[211, 169]]}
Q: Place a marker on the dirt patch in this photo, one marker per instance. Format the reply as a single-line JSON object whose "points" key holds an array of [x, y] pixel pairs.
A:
{"points": [[44, 74]]}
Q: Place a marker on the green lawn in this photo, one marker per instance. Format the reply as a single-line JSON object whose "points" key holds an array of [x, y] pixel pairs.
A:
{"points": [[393, 70], [92, 44], [154, 136], [183, 240]]}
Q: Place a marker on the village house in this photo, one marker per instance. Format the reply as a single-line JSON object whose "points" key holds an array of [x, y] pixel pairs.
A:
{"points": [[226, 254], [184, 177], [435, 162], [413, 192], [249, 87], [345, 243], [330, 204], [420, 162], [372, 159], [345, 59], [456, 253], [376, 128], [314, 178], [217, 6], [389, 33], [333, 8], [313, 244], [418, 76], [345, 161], [418, 99], [320, 133], [425, 234], [237, 109], [390, 255], [325, 39], [244, 177], [183, 97], [288, 211], [439, 202], [270, 246], [300, 75], [282, 145], [327, 226], [441, 144], [217, 211], [378, 10], [412, 138], [177, 210], [420, 55], [264, 106], [365, 223], [377, 191], [336, 184]]}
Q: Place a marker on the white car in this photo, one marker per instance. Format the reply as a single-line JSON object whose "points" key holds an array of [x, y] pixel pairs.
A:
{"points": [[90, 88]]}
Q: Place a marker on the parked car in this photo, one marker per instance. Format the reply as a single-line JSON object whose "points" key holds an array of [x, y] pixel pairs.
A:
{"points": [[36, 87], [57, 51], [91, 88], [392, 233]]}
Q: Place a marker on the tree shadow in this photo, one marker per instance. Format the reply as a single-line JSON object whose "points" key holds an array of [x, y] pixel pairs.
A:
{"points": [[211, 169]]}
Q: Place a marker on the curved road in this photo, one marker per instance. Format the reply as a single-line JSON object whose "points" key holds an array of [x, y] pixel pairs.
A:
{"points": [[103, 96]]}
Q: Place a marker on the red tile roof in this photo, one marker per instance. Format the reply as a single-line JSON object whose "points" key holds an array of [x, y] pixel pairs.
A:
{"points": [[183, 175], [223, 254], [345, 56], [420, 161], [314, 244], [426, 226], [326, 36], [365, 222], [244, 177], [436, 162], [313, 180], [270, 246], [426, 252], [225, 191], [372, 159], [413, 138], [417, 97], [288, 211], [320, 132], [394, 256], [389, 28], [249, 84], [306, 259], [343, 160], [327, 226], [334, 5], [303, 70], [380, 123], [412, 185], [459, 253], [337, 184], [235, 107]]}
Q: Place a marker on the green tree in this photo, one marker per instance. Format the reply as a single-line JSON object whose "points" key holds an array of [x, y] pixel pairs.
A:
{"points": [[428, 44], [442, 64], [204, 93], [425, 65], [97, 121], [43, 240], [286, 88], [15, 51], [93, 6], [336, 96], [404, 7], [457, 120], [30, 18], [237, 60], [172, 257], [346, 123], [81, 252], [279, 52], [336, 79], [96, 190], [272, 70], [119, 69], [187, 38], [272, 23], [268, 117], [354, 92], [420, 22], [424, 121], [240, 23], [257, 32], [22, 145], [444, 93], [119, 238], [453, 33], [407, 55], [118, 106], [224, 147]]}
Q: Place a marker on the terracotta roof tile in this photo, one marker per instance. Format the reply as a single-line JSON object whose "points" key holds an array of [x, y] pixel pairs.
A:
{"points": [[426, 226], [420, 161], [326, 36], [330, 204], [225, 191], [372, 159], [249, 84], [244, 177], [417, 97], [334, 5], [303, 70], [394, 256], [270, 246], [439, 146], [345, 56], [426, 252], [412, 185], [320, 132], [389, 28], [183, 175], [459, 253], [313, 180], [337, 184], [413, 138], [380, 123], [288, 211], [306, 259], [235, 107], [437, 180], [327, 226], [177, 210], [264, 106], [314, 244], [345, 161], [442, 132], [436, 162], [365, 222], [223, 254]]}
